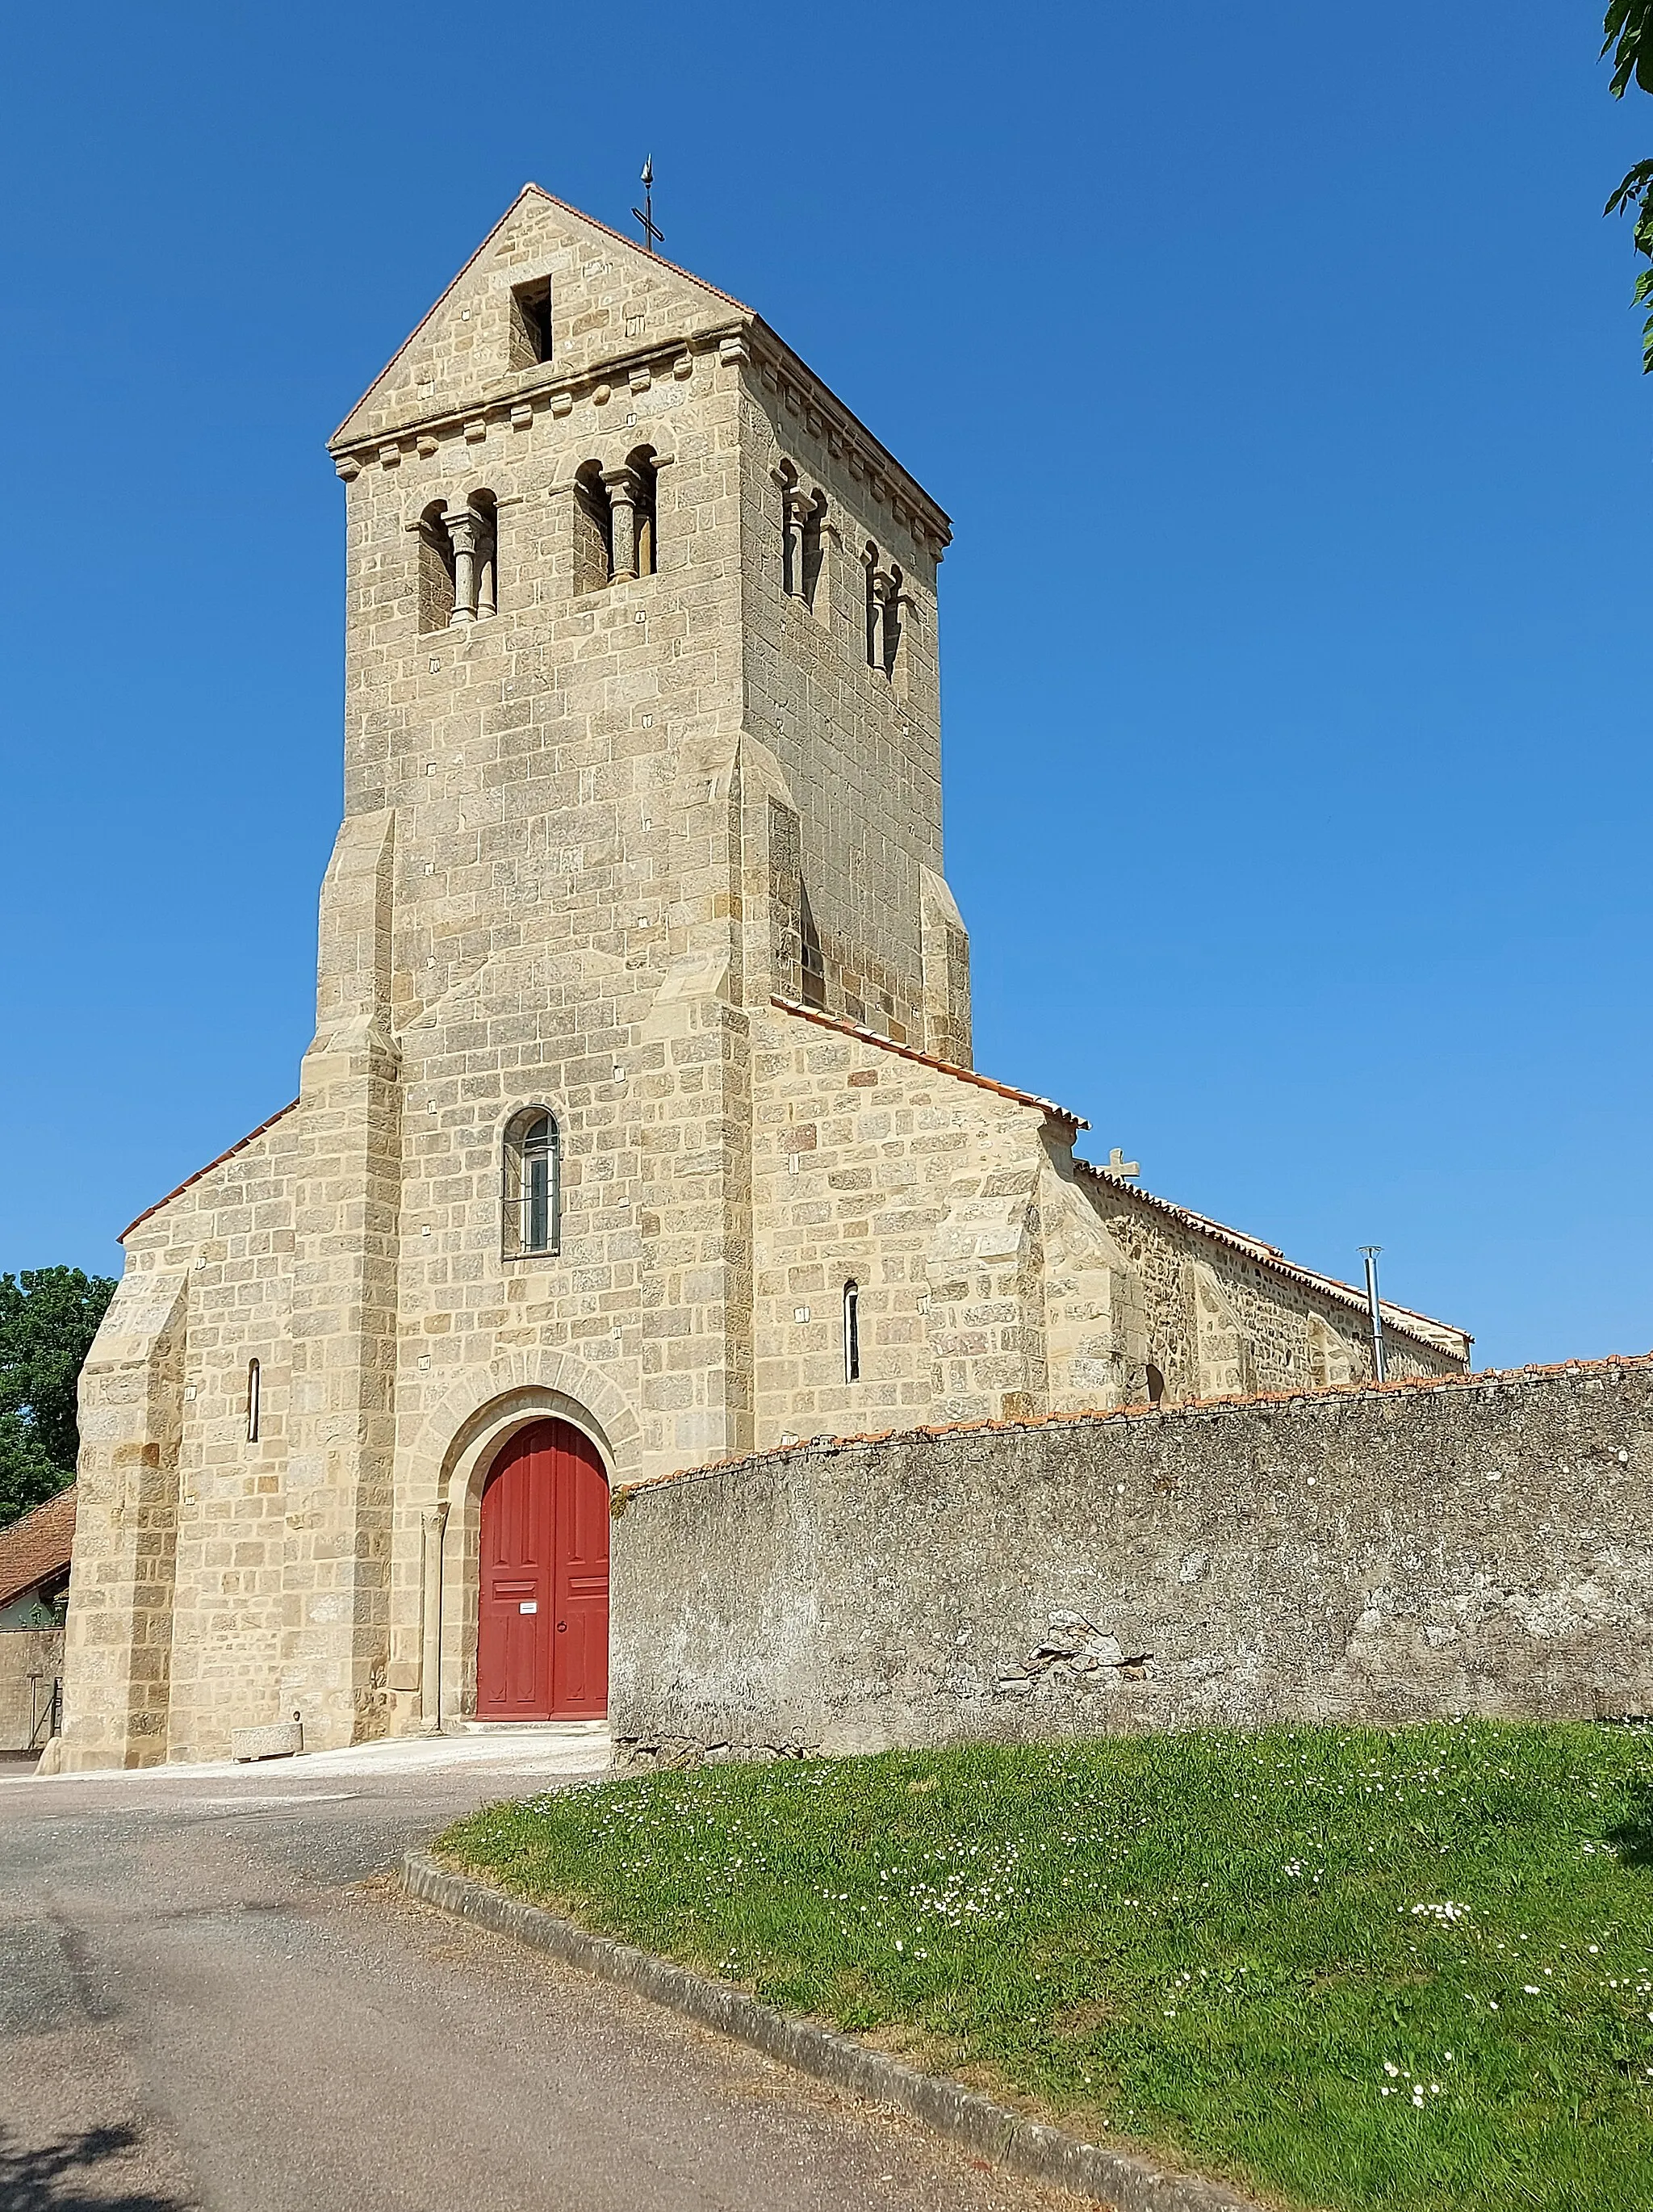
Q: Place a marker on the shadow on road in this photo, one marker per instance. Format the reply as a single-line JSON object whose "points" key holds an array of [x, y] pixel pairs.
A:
{"points": [[74, 2174]]}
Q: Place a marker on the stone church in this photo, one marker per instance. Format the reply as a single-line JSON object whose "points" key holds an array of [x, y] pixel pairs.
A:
{"points": [[639, 1129]]}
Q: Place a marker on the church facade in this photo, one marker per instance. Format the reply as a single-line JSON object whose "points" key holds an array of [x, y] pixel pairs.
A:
{"points": [[639, 1129]]}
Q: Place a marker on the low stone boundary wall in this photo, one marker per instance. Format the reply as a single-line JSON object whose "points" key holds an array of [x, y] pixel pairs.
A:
{"points": [[1479, 1543]]}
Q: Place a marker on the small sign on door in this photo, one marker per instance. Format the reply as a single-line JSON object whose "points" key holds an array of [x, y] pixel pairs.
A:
{"points": [[529, 1605]]}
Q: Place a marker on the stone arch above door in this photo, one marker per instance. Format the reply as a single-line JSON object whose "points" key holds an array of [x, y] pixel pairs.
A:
{"points": [[485, 1403], [443, 1475]]}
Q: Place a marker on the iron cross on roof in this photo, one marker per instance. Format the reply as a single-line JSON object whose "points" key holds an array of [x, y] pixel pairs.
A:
{"points": [[645, 214]]}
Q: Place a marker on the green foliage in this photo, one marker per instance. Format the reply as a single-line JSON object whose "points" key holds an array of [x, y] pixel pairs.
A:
{"points": [[1629, 28], [48, 1317], [1373, 1970]]}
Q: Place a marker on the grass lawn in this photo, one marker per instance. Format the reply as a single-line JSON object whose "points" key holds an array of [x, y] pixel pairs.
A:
{"points": [[1342, 1967]]}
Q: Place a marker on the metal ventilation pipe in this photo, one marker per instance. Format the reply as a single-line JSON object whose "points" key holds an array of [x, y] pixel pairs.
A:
{"points": [[1371, 1251]]}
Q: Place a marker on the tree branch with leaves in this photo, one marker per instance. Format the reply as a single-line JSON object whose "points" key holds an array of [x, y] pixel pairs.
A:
{"points": [[1629, 28], [48, 1317]]}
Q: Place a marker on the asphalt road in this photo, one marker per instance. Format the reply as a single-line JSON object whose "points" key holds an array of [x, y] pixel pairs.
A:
{"points": [[213, 1995]]}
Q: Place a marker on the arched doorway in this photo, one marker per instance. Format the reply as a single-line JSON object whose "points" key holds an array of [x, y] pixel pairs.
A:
{"points": [[542, 1630]]}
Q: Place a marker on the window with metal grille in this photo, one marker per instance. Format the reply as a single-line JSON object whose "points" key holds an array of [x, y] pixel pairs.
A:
{"points": [[533, 1184]]}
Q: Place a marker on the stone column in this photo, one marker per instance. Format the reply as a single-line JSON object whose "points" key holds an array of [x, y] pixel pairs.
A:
{"points": [[430, 1673], [465, 534], [621, 485]]}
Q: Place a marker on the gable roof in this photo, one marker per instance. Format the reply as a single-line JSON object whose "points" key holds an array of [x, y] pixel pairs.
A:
{"points": [[531, 198], [38, 1546], [229, 1153], [1441, 1335], [439, 376], [1046, 1106]]}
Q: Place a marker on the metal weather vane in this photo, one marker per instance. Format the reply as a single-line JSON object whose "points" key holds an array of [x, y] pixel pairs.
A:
{"points": [[645, 214]]}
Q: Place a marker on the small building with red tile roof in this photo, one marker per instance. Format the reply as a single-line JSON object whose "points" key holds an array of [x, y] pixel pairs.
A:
{"points": [[34, 1557]]}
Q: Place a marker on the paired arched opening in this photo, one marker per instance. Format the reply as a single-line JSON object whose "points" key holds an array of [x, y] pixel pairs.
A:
{"points": [[616, 520], [887, 610], [803, 542], [459, 562]]}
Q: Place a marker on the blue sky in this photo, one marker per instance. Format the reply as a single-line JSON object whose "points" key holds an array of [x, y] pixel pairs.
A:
{"points": [[1279, 372]]}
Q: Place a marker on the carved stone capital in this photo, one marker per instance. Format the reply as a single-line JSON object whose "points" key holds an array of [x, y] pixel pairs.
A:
{"points": [[465, 529]]}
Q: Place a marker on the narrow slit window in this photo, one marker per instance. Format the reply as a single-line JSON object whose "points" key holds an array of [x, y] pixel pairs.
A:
{"points": [[852, 1333], [252, 1394]]}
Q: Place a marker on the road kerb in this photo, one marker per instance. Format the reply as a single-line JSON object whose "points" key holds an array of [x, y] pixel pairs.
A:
{"points": [[1114, 2178]]}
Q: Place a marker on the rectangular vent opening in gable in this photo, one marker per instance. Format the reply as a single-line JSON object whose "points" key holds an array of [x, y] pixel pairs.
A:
{"points": [[530, 322]]}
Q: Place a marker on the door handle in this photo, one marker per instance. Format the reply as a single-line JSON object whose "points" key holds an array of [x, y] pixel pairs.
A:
{"points": [[562, 1627]]}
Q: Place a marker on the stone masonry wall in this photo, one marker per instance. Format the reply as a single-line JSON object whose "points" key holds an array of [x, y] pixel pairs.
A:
{"points": [[860, 747], [1474, 1545], [30, 1659]]}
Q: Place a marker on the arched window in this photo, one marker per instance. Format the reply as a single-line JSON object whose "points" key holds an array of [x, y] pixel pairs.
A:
{"points": [[815, 590], [1156, 1384], [593, 529], [786, 477], [533, 1184], [852, 1333], [645, 501], [436, 591], [253, 1387]]}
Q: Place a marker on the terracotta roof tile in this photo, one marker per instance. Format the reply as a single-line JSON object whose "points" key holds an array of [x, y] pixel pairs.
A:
{"points": [[1046, 1106], [37, 1546]]}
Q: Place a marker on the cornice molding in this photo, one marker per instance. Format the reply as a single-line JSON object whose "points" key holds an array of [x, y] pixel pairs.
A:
{"points": [[742, 340], [515, 400], [845, 436]]}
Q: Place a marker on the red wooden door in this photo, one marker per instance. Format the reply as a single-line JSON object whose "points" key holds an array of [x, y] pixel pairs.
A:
{"points": [[542, 1637]]}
